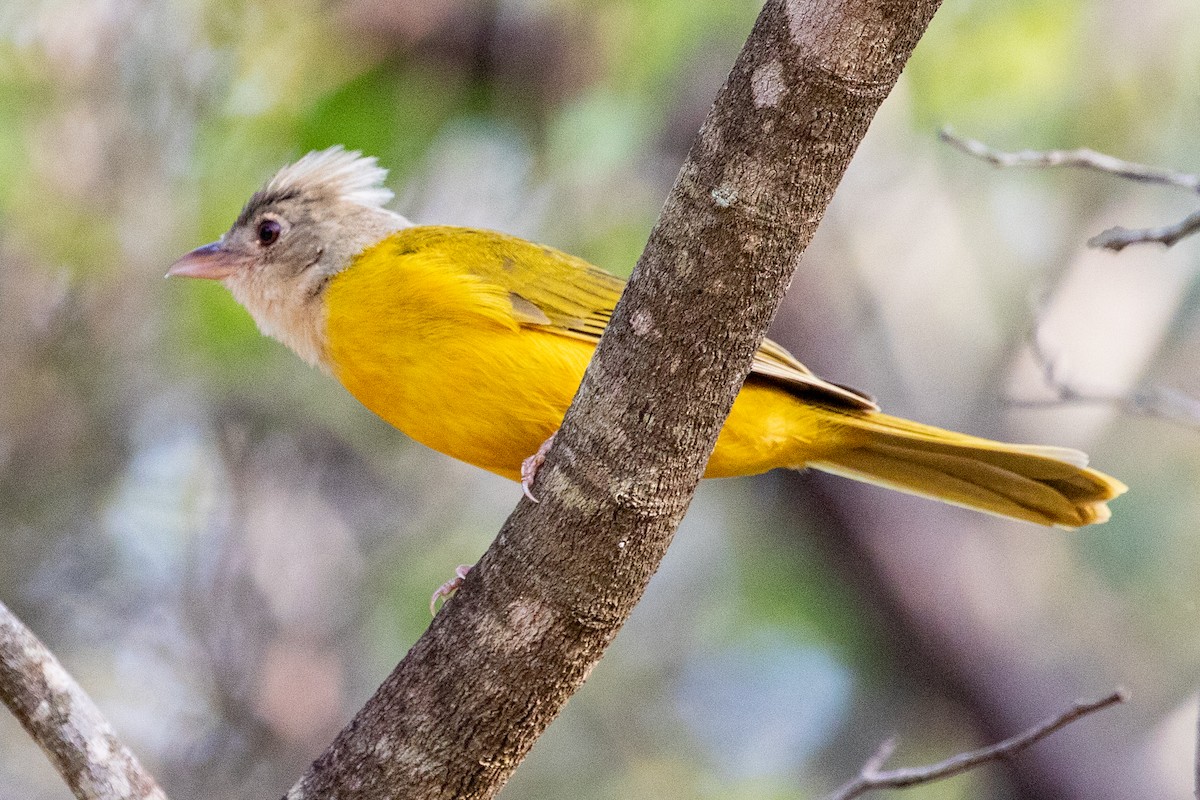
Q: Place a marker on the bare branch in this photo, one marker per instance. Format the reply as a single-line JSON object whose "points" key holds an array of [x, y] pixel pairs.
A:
{"points": [[1118, 238], [1082, 157], [64, 721], [872, 776]]}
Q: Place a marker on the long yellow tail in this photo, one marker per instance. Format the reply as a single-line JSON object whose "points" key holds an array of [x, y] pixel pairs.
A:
{"points": [[1046, 485]]}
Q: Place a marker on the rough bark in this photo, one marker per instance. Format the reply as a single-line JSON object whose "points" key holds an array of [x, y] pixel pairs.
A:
{"points": [[467, 702], [64, 721]]}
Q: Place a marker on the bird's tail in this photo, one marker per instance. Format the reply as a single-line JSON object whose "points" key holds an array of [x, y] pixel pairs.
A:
{"points": [[1045, 485]]}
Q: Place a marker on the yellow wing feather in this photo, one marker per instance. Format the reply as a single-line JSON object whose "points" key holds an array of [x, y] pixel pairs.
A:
{"points": [[557, 292]]}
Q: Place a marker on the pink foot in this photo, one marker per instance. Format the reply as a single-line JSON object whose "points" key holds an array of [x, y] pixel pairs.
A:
{"points": [[531, 465], [449, 587]]}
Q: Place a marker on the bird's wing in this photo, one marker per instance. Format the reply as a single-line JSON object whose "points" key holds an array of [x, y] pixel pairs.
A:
{"points": [[555, 291], [773, 363]]}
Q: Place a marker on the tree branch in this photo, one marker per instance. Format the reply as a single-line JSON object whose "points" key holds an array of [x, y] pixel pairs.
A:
{"points": [[502, 657], [64, 721], [1116, 238], [1082, 157], [873, 776]]}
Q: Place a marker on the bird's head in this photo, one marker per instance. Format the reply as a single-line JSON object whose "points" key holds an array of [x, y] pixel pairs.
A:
{"points": [[302, 228]]}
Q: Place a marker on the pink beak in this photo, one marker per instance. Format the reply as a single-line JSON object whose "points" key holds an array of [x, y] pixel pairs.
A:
{"points": [[210, 261]]}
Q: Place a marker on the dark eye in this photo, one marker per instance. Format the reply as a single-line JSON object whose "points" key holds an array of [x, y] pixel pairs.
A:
{"points": [[268, 232]]}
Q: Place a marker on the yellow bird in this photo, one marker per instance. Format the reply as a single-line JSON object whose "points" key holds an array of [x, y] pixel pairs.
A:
{"points": [[473, 343]]}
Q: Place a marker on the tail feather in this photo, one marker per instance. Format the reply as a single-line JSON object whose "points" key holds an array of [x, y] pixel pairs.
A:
{"points": [[1044, 485]]}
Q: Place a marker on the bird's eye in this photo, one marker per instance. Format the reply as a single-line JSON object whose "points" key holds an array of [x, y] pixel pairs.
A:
{"points": [[268, 232]]}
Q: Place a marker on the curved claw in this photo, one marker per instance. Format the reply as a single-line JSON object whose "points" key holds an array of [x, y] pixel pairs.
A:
{"points": [[449, 587], [531, 465]]}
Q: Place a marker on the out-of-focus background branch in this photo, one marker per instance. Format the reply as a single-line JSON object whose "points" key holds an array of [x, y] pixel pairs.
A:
{"points": [[875, 776], [169, 480], [60, 717], [1118, 237]]}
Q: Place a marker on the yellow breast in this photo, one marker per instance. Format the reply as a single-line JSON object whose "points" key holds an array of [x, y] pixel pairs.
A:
{"points": [[436, 353]]}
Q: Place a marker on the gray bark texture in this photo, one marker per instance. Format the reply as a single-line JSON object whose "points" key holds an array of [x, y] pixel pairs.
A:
{"points": [[64, 721], [501, 659]]}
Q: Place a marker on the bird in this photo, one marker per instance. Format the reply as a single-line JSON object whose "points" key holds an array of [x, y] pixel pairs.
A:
{"points": [[473, 342]]}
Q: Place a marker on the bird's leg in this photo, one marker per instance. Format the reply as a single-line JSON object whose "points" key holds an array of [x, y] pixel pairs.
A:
{"points": [[531, 465], [449, 587], [529, 469]]}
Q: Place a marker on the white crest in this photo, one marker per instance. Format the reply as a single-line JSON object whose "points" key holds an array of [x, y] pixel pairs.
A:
{"points": [[347, 174]]}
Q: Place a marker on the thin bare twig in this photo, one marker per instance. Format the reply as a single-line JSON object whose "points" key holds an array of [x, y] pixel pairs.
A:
{"points": [[1082, 157], [872, 776], [1116, 238], [64, 721]]}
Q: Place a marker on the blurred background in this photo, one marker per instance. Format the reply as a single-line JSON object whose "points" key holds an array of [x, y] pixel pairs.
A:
{"points": [[230, 554]]}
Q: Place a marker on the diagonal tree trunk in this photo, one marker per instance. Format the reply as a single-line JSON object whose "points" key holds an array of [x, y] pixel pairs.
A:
{"points": [[468, 701]]}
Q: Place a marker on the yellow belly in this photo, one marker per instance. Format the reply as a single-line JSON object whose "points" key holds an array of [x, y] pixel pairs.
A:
{"points": [[489, 402]]}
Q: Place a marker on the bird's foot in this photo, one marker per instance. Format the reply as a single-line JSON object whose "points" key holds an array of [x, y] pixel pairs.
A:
{"points": [[531, 465], [449, 587]]}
